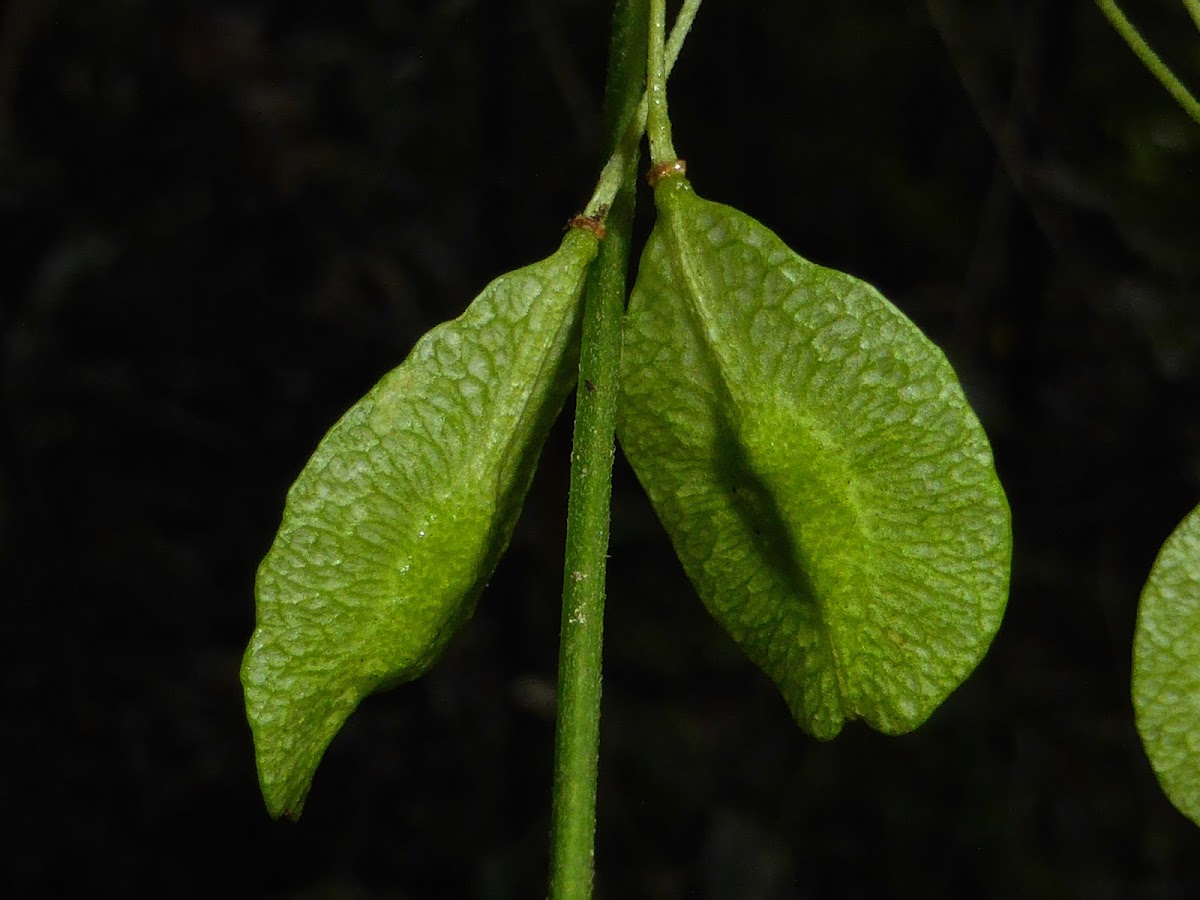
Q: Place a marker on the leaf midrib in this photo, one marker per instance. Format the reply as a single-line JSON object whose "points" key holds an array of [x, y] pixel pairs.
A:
{"points": [[689, 270]]}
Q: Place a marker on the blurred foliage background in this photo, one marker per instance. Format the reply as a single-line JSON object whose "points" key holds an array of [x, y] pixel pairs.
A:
{"points": [[222, 221]]}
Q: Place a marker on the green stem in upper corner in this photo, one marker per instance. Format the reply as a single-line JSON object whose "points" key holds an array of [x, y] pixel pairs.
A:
{"points": [[1149, 58], [1193, 8], [577, 735]]}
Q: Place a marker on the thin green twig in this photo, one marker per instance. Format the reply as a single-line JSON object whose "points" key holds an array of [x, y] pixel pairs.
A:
{"points": [[1149, 58], [614, 169], [658, 123], [1193, 8], [577, 732]]}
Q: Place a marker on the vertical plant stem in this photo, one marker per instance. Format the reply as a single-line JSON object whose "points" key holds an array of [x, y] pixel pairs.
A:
{"points": [[1149, 58], [658, 129], [618, 162], [577, 737]]}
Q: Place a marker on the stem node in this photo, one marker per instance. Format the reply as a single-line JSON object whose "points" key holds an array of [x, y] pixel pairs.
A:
{"points": [[663, 171]]}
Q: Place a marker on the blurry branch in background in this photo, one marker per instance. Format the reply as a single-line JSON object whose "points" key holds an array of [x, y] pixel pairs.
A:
{"points": [[1113, 241], [1149, 58], [1010, 115]]}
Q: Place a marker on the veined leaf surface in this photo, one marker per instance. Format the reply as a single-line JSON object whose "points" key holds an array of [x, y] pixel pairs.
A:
{"points": [[1166, 667], [401, 514], [821, 475]]}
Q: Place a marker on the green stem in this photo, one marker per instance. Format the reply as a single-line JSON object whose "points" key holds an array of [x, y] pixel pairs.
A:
{"points": [[577, 737], [658, 125], [1149, 58], [1193, 8], [614, 172]]}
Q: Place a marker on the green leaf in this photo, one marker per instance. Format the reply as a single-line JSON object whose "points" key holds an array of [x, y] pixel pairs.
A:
{"points": [[400, 516], [819, 471], [1166, 667]]}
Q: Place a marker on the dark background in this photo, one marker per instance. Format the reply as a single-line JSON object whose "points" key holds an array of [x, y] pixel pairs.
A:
{"points": [[221, 222]]}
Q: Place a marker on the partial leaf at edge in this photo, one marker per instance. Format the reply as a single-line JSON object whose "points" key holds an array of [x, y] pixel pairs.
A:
{"points": [[401, 514], [821, 475], [1166, 667]]}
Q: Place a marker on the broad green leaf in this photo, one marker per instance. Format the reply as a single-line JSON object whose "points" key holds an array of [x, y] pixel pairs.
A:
{"points": [[401, 514], [819, 471], [1166, 667]]}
